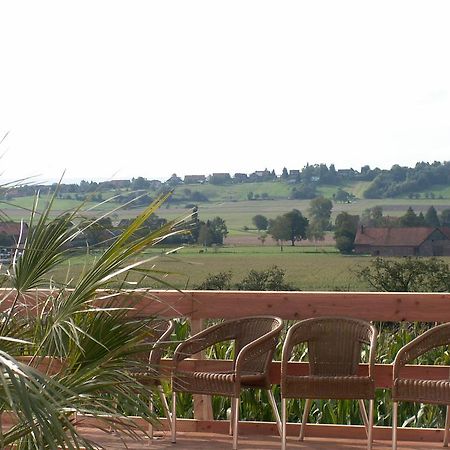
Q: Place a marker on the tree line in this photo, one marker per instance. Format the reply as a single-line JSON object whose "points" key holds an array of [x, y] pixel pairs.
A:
{"points": [[384, 183], [293, 226]]}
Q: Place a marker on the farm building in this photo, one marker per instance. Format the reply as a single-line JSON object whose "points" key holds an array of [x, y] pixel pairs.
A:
{"points": [[12, 236], [194, 179], [14, 231], [413, 241]]}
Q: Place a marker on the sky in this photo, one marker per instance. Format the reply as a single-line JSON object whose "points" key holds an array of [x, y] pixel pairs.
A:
{"points": [[120, 89]]}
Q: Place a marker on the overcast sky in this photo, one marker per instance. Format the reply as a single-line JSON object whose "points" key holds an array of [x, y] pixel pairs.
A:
{"points": [[115, 89]]}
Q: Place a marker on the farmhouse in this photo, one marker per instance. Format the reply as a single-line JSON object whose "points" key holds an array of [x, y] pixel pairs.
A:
{"points": [[413, 241], [240, 177], [194, 179], [14, 231]]}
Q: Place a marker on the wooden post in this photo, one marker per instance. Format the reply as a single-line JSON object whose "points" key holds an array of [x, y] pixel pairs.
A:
{"points": [[202, 403]]}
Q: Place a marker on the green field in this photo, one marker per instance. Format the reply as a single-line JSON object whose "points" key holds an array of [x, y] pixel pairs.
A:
{"points": [[239, 214], [306, 268], [231, 203]]}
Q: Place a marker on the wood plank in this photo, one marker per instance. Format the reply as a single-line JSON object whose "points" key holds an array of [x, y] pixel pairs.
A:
{"points": [[383, 372], [202, 403], [375, 306], [270, 429]]}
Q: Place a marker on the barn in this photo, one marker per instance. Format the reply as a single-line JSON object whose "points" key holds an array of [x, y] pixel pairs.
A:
{"points": [[411, 241]]}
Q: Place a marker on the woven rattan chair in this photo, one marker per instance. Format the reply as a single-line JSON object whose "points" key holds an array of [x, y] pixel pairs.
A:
{"points": [[334, 352], [423, 391], [254, 339], [159, 335]]}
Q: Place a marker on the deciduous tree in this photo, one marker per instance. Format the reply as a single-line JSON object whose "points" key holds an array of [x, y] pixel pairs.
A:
{"points": [[291, 226], [345, 231], [407, 275], [261, 222]]}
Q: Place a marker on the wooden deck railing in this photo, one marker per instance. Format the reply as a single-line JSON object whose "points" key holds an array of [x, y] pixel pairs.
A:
{"points": [[387, 307]]}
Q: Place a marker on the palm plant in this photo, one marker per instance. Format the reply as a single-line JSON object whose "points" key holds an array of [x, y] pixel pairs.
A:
{"points": [[65, 348]]}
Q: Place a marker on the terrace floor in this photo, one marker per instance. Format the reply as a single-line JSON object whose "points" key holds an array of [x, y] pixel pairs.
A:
{"points": [[208, 441]]}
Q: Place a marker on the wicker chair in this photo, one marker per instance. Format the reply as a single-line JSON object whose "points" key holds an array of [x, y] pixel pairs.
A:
{"points": [[159, 335], [423, 391], [334, 352], [255, 339]]}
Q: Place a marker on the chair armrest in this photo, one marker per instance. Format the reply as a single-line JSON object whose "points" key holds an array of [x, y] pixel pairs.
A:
{"points": [[202, 340], [402, 358], [260, 346], [372, 351], [432, 338], [295, 336]]}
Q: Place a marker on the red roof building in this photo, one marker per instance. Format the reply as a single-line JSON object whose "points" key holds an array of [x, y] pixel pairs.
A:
{"points": [[411, 241]]}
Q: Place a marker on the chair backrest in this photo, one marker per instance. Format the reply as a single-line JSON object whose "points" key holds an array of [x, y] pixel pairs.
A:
{"points": [[432, 338], [247, 330], [334, 343]]}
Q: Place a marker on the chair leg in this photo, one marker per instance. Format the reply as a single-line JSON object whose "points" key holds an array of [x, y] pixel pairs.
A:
{"points": [[174, 417], [165, 405], [283, 423], [394, 425], [447, 425], [305, 418], [370, 433], [363, 412], [275, 409], [233, 406], [150, 425], [235, 423]]}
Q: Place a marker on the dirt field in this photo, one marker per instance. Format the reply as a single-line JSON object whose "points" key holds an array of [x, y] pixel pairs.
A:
{"points": [[253, 240]]}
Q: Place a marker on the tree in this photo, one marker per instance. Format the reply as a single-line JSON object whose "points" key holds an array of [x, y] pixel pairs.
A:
{"points": [[315, 232], [262, 238], [343, 196], [410, 219], [291, 226], [345, 231], [320, 212], [212, 232], [407, 275], [445, 218], [139, 183], [303, 191], [373, 217], [205, 235], [261, 222], [219, 229], [271, 279], [431, 217], [218, 282], [284, 174]]}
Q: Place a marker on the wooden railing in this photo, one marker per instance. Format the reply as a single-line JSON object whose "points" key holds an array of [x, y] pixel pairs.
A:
{"points": [[387, 307]]}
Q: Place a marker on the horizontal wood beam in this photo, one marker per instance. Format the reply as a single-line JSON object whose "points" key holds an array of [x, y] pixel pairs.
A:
{"points": [[382, 375], [270, 429], [374, 306]]}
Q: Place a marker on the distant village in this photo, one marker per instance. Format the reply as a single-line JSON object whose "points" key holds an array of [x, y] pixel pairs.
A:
{"points": [[411, 235]]}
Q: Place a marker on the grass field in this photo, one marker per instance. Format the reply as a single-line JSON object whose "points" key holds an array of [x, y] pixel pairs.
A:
{"points": [[239, 214], [307, 268]]}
